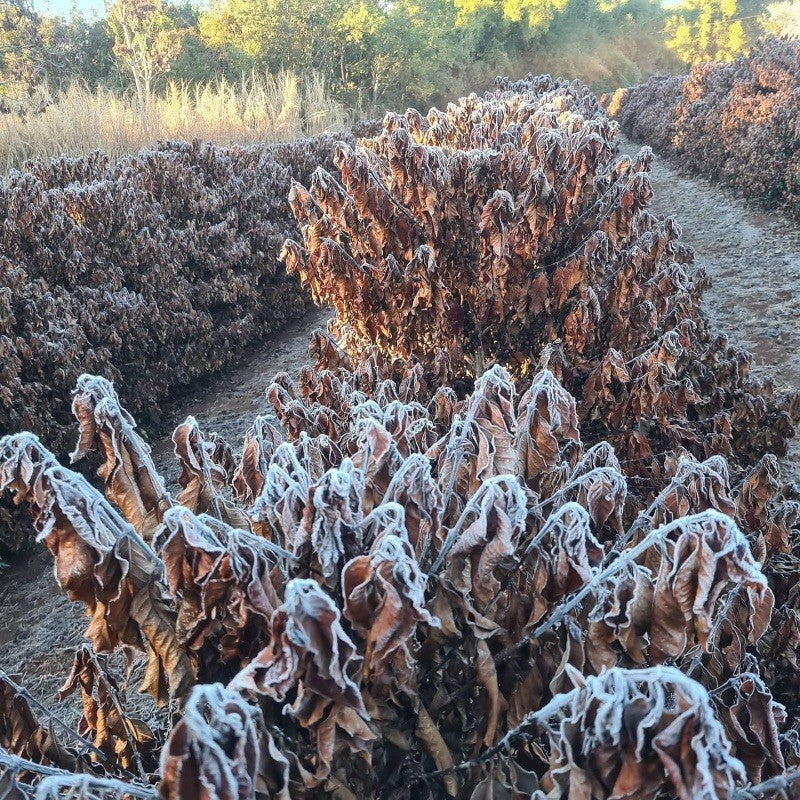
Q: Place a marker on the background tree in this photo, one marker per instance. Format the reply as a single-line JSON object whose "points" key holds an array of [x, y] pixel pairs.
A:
{"points": [[278, 34], [403, 51], [371, 53], [81, 50], [783, 19], [23, 55], [197, 62], [42, 55], [146, 40], [536, 13], [714, 30]]}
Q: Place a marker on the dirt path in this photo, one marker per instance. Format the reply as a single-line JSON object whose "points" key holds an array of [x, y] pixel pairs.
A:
{"points": [[753, 259], [229, 402]]}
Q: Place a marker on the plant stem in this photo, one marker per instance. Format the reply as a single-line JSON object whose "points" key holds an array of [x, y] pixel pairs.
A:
{"points": [[780, 783], [23, 692], [561, 611]]}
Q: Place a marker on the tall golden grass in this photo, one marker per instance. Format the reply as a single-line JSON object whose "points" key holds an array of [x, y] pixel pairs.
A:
{"points": [[258, 108]]}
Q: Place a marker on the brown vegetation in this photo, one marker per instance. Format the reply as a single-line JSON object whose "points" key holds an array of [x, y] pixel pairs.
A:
{"points": [[736, 122], [442, 577]]}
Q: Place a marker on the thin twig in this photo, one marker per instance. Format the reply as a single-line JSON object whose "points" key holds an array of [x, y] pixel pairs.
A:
{"points": [[130, 734], [100, 788], [780, 783], [469, 508], [503, 746], [643, 518], [64, 778], [18, 764], [546, 528], [572, 484], [561, 611]]}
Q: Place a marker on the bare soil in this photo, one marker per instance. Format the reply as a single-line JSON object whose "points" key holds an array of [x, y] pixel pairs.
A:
{"points": [[753, 259]]}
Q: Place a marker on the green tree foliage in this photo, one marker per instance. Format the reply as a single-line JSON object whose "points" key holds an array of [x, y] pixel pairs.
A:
{"points": [[196, 62], [23, 56], [146, 41], [374, 53], [359, 45], [609, 43], [42, 54], [537, 14], [83, 50], [400, 51], [408, 50], [714, 30], [783, 19], [293, 34]]}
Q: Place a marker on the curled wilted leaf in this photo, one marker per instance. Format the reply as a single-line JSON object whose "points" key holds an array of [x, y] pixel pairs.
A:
{"points": [[128, 472], [330, 532], [23, 735], [752, 721], [637, 733], [546, 419], [620, 621], [278, 511], [260, 442], [216, 751], [23, 463], [310, 656], [226, 583], [384, 598], [377, 457], [705, 556], [562, 557], [101, 561], [202, 478], [484, 541], [413, 488], [123, 738], [478, 446]]}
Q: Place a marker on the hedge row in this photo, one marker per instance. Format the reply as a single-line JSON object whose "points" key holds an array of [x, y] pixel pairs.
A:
{"points": [[736, 122], [153, 271]]}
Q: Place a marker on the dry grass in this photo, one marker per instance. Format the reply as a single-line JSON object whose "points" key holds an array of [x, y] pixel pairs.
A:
{"points": [[261, 108]]}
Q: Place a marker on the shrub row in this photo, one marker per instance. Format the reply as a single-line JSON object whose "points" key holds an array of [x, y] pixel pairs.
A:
{"points": [[509, 230], [736, 122], [155, 271]]}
